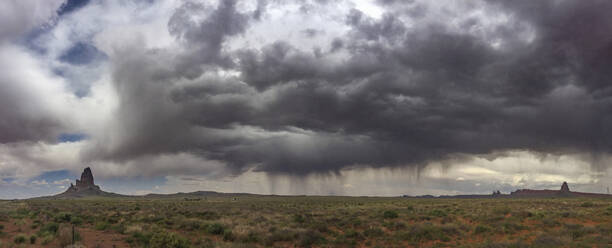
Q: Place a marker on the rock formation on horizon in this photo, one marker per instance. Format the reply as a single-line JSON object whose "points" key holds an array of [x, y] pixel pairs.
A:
{"points": [[84, 187], [564, 187], [86, 182]]}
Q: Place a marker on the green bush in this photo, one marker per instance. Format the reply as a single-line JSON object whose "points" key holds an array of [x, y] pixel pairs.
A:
{"points": [[510, 227], [139, 238], [228, 235], [390, 214], [46, 240], [101, 226], [251, 237], [309, 238], [49, 228], [168, 240], [545, 241], [501, 211], [63, 217], [437, 213], [299, 218], [32, 239], [481, 229], [20, 239], [76, 221], [429, 232], [587, 204], [215, 229], [373, 232], [283, 235]]}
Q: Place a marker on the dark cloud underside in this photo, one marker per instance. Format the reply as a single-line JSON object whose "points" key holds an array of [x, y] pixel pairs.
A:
{"points": [[401, 95]]}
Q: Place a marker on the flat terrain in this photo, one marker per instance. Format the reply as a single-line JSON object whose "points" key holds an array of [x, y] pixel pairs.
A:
{"points": [[274, 221]]}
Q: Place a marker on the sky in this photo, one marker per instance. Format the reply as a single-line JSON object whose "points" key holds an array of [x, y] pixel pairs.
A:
{"points": [[317, 97]]}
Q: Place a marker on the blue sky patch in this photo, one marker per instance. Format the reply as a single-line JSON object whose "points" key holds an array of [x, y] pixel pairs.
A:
{"points": [[52, 176], [9, 179], [82, 53], [71, 6], [71, 137]]}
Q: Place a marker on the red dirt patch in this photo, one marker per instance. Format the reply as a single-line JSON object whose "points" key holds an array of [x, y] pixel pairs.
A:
{"points": [[94, 238]]}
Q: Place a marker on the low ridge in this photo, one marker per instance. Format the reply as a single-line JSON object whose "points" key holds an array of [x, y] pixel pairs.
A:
{"points": [[525, 193]]}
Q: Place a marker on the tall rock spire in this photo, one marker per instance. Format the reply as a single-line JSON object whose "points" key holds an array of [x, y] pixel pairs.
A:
{"points": [[564, 187], [86, 182], [86, 178], [84, 187]]}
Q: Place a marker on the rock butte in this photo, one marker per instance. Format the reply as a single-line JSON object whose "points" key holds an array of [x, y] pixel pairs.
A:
{"points": [[84, 187], [86, 182]]}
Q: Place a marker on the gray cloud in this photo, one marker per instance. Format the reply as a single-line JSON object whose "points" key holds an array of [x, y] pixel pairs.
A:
{"points": [[23, 115], [404, 89]]}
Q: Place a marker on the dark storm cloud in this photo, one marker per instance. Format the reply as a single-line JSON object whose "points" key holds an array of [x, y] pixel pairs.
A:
{"points": [[19, 120], [402, 95]]}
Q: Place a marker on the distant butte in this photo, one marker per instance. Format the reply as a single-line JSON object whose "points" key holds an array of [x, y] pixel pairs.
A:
{"points": [[86, 182], [84, 187]]}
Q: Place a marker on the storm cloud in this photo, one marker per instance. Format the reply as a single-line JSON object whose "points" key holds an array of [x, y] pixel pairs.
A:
{"points": [[416, 83], [400, 93]]}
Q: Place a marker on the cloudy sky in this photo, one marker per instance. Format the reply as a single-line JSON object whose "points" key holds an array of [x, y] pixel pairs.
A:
{"points": [[347, 97]]}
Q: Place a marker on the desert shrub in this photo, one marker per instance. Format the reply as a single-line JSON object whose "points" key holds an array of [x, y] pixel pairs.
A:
{"points": [[427, 232], [389, 214], [523, 214], [191, 225], [510, 227], [20, 239], [609, 211], [168, 240], [76, 221], [309, 238], [353, 234], [321, 227], [113, 219], [228, 235], [102, 225], [575, 231], [517, 244], [373, 232], [481, 229], [32, 239], [343, 241], [282, 235], [545, 241], [45, 240], [49, 228], [501, 210], [119, 228], [437, 213], [299, 218], [65, 237], [63, 217], [251, 237], [1, 227], [140, 238], [215, 229], [208, 215], [587, 204], [550, 222]]}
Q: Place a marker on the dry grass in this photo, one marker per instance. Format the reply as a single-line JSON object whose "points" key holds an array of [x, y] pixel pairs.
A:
{"points": [[267, 221]]}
